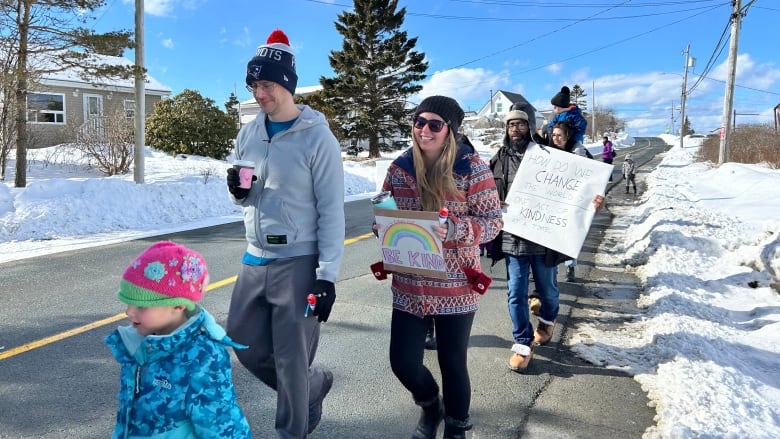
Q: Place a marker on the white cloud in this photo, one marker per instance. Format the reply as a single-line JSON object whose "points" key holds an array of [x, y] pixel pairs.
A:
{"points": [[167, 43], [554, 68], [467, 86], [243, 39], [159, 8]]}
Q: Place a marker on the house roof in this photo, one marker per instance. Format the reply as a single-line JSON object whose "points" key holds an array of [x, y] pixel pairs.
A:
{"points": [[71, 78], [516, 97]]}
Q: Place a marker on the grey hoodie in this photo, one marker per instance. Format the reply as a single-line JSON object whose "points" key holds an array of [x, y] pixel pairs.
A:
{"points": [[296, 206]]}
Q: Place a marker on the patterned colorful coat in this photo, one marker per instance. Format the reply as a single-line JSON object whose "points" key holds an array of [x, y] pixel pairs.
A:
{"points": [[476, 218], [179, 385]]}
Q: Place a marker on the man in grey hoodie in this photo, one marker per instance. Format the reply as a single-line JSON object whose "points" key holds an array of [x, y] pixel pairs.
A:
{"points": [[294, 220]]}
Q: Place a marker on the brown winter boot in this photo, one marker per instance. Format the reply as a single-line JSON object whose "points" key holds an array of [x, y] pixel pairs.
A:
{"points": [[430, 417], [544, 332], [534, 305], [521, 357]]}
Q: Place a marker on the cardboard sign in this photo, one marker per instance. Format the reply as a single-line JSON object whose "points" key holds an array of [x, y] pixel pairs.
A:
{"points": [[409, 244], [550, 201]]}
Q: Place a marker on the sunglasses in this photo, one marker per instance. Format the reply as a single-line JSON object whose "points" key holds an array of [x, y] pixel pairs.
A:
{"points": [[434, 125]]}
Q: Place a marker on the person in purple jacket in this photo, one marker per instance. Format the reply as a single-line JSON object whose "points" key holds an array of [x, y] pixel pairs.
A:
{"points": [[608, 153]]}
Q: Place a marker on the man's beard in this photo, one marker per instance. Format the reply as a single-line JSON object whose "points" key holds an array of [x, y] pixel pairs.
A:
{"points": [[518, 145]]}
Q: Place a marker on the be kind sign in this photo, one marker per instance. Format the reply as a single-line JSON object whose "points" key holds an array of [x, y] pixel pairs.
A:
{"points": [[550, 201], [408, 242]]}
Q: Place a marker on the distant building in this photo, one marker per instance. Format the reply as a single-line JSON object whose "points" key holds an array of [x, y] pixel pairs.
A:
{"points": [[248, 109], [501, 102], [62, 103]]}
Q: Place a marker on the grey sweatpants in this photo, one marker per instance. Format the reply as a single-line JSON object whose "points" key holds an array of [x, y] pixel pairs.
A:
{"points": [[267, 314]]}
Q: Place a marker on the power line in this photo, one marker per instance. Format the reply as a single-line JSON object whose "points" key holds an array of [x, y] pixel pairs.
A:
{"points": [[614, 43], [706, 6], [717, 51]]}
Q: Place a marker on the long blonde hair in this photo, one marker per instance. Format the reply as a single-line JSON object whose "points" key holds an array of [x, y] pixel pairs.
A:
{"points": [[436, 183]]}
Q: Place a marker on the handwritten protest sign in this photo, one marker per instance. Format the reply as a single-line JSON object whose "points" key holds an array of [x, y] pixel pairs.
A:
{"points": [[550, 201], [408, 242]]}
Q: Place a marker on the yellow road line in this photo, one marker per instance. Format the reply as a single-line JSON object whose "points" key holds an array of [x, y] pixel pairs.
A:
{"points": [[107, 321]]}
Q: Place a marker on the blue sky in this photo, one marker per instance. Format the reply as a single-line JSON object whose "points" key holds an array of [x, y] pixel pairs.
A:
{"points": [[626, 53]]}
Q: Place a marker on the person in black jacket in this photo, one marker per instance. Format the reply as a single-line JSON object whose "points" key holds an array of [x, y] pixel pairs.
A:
{"points": [[521, 255]]}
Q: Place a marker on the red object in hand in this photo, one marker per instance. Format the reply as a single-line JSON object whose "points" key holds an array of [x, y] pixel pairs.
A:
{"points": [[311, 299], [444, 213]]}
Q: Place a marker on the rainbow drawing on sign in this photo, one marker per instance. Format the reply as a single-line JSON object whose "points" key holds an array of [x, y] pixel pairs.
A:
{"points": [[398, 232]]}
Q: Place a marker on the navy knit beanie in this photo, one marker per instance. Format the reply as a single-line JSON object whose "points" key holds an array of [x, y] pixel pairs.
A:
{"points": [[562, 99], [274, 61], [446, 107]]}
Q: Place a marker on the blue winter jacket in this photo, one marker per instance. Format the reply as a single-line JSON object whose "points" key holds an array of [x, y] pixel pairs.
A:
{"points": [[573, 116], [178, 385]]}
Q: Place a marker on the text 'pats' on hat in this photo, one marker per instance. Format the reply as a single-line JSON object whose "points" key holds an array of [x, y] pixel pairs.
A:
{"points": [[444, 106], [517, 115], [274, 61], [563, 98], [165, 274]]}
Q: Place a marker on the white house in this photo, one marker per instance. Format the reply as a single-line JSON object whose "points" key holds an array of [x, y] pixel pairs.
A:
{"points": [[500, 103], [248, 109]]}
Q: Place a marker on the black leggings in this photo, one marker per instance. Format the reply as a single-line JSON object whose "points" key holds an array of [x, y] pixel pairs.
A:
{"points": [[407, 348]]}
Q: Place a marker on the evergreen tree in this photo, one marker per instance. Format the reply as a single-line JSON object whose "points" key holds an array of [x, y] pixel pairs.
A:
{"points": [[376, 70], [686, 128], [190, 124], [578, 97], [45, 37], [231, 106], [317, 101]]}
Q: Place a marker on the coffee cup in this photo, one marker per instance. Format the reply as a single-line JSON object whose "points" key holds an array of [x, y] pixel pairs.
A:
{"points": [[246, 169]]}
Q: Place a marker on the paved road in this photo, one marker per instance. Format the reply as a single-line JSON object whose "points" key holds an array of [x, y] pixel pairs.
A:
{"points": [[64, 385]]}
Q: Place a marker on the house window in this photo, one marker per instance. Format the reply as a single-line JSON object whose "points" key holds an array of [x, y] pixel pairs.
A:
{"points": [[129, 108], [499, 107], [46, 108]]}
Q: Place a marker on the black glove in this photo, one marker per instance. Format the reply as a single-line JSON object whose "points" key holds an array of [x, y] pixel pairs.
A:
{"points": [[233, 181], [326, 296]]}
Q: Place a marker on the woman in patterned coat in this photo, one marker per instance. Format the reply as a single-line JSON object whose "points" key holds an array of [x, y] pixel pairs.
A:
{"points": [[441, 169]]}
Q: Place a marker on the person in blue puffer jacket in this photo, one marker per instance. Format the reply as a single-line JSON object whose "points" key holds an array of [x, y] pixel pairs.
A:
{"points": [[564, 111], [175, 372]]}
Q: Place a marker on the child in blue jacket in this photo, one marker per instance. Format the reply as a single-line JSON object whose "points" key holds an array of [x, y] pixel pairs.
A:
{"points": [[175, 375], [565, 111]]}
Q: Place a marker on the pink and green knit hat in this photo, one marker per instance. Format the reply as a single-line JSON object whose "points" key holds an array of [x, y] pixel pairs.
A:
{"points": [[165, 274]]}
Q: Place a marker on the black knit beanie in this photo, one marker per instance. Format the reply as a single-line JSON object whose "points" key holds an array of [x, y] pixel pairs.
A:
{"points": [[562, 99], [274, 61], [447, 108]]}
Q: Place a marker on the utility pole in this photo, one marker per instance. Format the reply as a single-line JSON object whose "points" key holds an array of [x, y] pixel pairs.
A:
{"points": [[593, 112], [140, 94], [728, 100], [687, 54]]}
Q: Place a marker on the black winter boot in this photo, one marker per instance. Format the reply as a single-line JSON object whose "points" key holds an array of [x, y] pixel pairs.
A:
{"points": [[456, 428], [430, 338], [430, 418]]}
